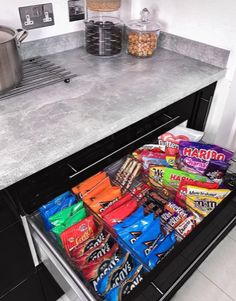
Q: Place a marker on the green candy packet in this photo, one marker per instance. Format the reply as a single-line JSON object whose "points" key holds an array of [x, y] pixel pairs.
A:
{"points": [[59, 218], [77, 217]]}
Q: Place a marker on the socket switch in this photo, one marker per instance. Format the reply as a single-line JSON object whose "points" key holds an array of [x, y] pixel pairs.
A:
{"points": [[36, 16]]}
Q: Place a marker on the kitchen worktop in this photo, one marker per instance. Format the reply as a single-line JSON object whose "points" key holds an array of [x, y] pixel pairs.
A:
{"points": [[46, 125]]}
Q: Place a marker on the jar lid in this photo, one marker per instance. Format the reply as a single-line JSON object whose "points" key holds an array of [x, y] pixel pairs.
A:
{"points": [[6, 34], [144, 23]]}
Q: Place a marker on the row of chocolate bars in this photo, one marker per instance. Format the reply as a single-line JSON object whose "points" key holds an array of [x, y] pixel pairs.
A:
{"points": [[118, 224]]}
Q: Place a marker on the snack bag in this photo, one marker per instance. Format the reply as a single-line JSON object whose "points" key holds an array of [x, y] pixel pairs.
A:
{"points": [[147, 240], [85, 186], [125, 288], [78, 233], [89, 244], [58, 204], [60, 218], [99, 188], [133, 232], [127, 197], [97, 252], [203, 205], [152, 148], [156, 175], [105, 199], [195, 157], [160, 249], [97, 269], [137, 215], [117, 275], [118, 215], [182, 190], [77, 217], [199, 191]]}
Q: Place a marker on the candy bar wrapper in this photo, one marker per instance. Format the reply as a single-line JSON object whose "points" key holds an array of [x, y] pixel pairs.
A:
{"points": [[125, 288], [96, 252], [200, 191], [117, 275], [216, 170], [173, 208], [203, 205], [196, 156], [175, 220], [78, 233], [127, 197], [151, 205], [89, 244], [96, 270], [186, 227]]}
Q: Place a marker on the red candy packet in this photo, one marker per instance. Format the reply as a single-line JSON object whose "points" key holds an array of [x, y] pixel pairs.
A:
{"points": [[182, 190], [78, 233], [117, 204]]}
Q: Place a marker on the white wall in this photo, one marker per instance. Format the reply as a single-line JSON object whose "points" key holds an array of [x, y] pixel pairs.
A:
{"points": [[212, 22], [9, 16]]}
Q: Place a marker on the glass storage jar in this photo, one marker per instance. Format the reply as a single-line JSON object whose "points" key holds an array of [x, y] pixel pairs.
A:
{"points": [[103, 36], [103, 5], [142, 35]]}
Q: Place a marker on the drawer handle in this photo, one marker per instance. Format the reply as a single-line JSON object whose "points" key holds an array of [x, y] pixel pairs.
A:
{"points": [[116, 151]]}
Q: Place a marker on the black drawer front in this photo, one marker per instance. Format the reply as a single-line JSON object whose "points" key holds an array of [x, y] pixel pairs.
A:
{"points": [[32, 192], [28, 290], [8, 212], [16, 262]]}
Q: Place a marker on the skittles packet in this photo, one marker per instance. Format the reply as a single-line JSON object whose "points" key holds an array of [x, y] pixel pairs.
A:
{"points": [[97, 269], [195, 156], [202, 204], [117, 275], [125, 288], [78, 233]]}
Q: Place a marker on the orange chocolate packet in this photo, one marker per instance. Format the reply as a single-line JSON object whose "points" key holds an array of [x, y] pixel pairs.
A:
{"points": [[85, 186], [105, 199]]}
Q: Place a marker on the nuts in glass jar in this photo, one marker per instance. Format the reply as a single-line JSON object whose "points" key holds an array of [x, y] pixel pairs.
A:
{"points": [[104, 5], [142, 44]]}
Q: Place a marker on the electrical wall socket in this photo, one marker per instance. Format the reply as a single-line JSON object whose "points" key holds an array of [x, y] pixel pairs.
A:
{"points": [[36, 16]]}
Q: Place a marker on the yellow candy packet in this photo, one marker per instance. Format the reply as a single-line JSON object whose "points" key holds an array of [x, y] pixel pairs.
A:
{"points": [[200, 191], [202, 204]]}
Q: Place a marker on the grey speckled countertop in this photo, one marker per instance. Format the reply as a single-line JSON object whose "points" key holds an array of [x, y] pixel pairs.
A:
{"points": [[44, 126]]}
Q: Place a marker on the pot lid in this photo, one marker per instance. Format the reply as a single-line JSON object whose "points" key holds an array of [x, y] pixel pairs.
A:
{"points": [[144, 23], [6, 34]]}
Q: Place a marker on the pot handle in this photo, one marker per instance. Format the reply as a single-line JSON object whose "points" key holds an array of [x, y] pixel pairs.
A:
{"points": [[20, 37]]}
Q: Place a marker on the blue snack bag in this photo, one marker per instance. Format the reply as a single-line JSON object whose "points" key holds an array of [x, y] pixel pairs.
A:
{"points": [[56, 200], [133, 232], [145, 243], [160, 249], [55, 206], [137, 215], [124, 289], [117, 275]]}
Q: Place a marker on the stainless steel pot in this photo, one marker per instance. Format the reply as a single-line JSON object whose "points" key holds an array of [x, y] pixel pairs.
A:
{"points": [[10, 62]]}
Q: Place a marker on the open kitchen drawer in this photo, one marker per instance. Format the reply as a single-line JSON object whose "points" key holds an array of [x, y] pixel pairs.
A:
{"points": [[162, 282]]}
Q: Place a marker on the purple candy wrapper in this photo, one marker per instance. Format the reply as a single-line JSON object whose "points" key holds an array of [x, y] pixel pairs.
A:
{"points": [[196, 156], [216, 170]]}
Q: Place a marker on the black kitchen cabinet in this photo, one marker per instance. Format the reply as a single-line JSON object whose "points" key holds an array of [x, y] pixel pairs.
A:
{"points": [[28, 290], [16, 262], [8, 212]]}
